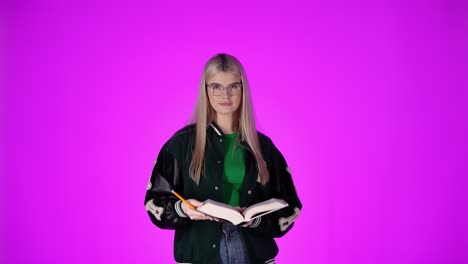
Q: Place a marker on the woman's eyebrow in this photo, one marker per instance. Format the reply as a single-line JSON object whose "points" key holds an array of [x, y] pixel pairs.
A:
{"points": [[221, 84]]}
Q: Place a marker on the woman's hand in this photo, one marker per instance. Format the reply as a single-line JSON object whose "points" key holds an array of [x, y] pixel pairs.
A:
{"points": [[241, 210], [194, 214]]}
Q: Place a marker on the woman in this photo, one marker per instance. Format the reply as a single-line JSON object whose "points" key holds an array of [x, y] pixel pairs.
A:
{"points": [[222, 157]]}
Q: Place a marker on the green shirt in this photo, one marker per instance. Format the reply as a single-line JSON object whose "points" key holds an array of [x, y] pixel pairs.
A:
{"points": [[234, 171]]}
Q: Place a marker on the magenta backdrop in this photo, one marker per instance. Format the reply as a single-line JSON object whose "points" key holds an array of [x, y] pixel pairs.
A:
{"points": [[367, 102]]}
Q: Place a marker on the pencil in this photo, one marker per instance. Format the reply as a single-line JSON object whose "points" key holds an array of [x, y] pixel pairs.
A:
{"points": [[183, 200]]}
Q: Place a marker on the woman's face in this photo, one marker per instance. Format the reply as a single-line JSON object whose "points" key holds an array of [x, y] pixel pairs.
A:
{"points": [[224, 92]]}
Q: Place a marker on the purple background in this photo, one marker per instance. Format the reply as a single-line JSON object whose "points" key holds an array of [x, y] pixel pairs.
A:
{"points": [[367, 102]]}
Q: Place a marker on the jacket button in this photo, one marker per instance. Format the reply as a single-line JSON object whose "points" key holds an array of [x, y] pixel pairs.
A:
{"points": [[249, 192], [219, 162], [216, 187], [214, 246], [220, 140]]}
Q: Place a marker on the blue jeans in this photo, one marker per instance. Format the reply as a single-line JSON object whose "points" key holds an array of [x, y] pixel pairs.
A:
{"points": [[232, 247]]}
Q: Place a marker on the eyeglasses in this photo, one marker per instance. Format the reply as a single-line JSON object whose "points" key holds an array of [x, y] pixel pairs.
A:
{"points": [[217, 89]]}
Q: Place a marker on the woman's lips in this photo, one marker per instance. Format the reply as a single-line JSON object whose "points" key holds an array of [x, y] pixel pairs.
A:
{"points": [[225, 104]]}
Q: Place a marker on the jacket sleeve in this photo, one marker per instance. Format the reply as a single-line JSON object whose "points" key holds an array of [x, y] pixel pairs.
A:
{"points": [[278, 223], [162, 206]]}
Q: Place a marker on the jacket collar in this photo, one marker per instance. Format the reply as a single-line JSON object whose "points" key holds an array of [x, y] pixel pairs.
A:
{"points": [[216, 129], [219, 132]]}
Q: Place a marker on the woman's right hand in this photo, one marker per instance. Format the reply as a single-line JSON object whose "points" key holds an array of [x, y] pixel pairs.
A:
{"points": [[194, 214]]}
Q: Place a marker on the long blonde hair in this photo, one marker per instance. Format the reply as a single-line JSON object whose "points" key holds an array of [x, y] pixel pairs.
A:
{"points": [[204, 114]]}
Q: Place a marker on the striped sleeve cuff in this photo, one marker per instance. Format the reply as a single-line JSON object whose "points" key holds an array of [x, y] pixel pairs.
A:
{"points": [[179, 209], [256, 222]]}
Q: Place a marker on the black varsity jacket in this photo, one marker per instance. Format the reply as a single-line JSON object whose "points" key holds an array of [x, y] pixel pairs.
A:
{"points": [[198, 241]]}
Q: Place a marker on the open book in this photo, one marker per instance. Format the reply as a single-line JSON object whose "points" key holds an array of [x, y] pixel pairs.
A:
{"points": [[229, 213]]}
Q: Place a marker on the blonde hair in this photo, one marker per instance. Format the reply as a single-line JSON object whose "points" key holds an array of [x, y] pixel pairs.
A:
{"points": [[204, 114]]}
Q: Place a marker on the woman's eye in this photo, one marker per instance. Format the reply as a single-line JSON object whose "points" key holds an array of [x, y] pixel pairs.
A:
{"points": [[215, 87]]}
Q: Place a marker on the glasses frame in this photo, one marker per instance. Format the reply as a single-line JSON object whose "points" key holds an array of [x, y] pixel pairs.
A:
{"points": [[228, 88]]}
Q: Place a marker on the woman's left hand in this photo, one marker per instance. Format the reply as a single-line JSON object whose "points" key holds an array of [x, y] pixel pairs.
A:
{"points": [[241, 209], [248, 224]]}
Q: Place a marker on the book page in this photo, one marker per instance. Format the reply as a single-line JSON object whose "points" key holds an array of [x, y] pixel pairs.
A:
{"points": [[222, 211], [263, 208]]}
